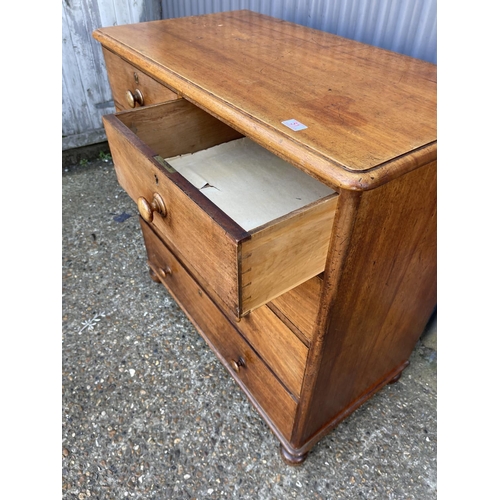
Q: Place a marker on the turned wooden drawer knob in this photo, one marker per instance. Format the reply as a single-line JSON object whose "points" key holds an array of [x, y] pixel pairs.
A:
{"points": [[164, 271], [236, 365], [134, 97], [147, 209]]}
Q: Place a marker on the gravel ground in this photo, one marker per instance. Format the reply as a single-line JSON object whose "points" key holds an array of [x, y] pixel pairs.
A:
{"points": [[149, 413]]}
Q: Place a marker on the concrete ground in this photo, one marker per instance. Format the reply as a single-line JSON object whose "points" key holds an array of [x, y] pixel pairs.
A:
{"points": [[149, 413]]}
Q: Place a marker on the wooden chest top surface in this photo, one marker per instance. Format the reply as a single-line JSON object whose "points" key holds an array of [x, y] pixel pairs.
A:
{"points": [[370, 113]]}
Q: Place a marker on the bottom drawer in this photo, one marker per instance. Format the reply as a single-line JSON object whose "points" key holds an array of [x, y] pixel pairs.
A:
{"points": [[267, 394]]}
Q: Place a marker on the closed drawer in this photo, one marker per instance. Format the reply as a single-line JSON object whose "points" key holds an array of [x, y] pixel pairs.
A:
{"points": [[131, 87], [246, 267], [252, 374]]}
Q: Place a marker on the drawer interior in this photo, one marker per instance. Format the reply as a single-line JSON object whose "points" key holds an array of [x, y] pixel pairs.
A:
{"points": [[247, 182], [176, 128]]}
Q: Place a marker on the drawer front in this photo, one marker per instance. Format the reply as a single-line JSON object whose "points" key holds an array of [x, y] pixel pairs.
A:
{"points": [[131, 87], [278, 346], [196, 233], [238, 357]]}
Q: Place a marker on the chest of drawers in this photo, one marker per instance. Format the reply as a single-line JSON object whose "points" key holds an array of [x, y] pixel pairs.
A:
{"points": [[286, 184]]}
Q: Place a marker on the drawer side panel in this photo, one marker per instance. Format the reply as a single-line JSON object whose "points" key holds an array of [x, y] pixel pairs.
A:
{"points": [[270, 257]]}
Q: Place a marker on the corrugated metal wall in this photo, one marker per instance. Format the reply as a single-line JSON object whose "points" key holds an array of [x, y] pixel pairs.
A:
{"points": [[405, 26]]}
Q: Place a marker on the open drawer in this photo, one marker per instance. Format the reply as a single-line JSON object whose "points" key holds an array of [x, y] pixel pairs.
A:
{"points": [[269, 234]]}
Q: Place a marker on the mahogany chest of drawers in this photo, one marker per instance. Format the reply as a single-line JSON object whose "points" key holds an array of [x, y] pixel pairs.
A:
{"points": [[286, 184]]}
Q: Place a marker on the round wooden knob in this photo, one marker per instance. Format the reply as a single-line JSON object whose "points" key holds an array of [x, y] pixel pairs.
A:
{"points": [[147, 209], [134, 97], [163, 272], [236, 365]]}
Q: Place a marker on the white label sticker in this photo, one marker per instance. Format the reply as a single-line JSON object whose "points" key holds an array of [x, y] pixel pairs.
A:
{"points": [[294, 125]]}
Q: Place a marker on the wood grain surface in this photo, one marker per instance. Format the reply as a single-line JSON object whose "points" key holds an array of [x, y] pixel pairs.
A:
{"points": [[177, 128], [278, 346], [285, 253], [380, 290], [364, 107]]}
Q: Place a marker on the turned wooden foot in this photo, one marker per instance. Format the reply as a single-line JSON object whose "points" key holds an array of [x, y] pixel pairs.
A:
{"points": [[290, 459], [396, 378], [154, 276]]}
